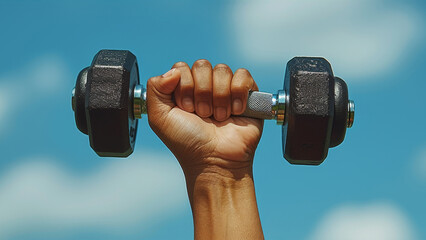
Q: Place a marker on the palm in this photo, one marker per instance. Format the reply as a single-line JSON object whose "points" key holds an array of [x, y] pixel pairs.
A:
{"points": [[205, 138]]}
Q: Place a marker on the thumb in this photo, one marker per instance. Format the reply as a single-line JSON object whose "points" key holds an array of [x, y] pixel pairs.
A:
{"points": [[159, 94]]}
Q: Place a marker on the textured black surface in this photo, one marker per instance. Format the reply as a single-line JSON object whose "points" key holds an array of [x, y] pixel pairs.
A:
{"points": [[80, 99], [340, 112], [310, 109], [111, 80]]}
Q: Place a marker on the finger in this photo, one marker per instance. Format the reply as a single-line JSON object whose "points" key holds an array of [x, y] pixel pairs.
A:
{"points": [[222, 76], [159, 95], [184, 94], [241, 84], [203, 87]]}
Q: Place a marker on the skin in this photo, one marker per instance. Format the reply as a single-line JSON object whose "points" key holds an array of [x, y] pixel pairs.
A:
{"points": [[195, 112]]}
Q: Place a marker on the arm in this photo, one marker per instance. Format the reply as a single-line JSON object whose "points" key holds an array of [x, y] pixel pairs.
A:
{"points": [[190, 110]]}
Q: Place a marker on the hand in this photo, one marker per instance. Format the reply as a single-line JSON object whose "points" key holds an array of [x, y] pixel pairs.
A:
{"points": [[190, 110]]}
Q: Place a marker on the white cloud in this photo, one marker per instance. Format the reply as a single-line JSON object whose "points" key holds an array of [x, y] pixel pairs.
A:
{"points": [[47, 74], [378, 221], [133, 193], [360, 38], [21, 88]]}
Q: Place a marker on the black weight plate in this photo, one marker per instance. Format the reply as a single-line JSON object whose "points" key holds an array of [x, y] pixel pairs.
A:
{"points": [[309, 83], [111, 80]]}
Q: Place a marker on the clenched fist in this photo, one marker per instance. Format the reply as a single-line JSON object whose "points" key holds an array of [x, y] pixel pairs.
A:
{"points": [[195, 113]]}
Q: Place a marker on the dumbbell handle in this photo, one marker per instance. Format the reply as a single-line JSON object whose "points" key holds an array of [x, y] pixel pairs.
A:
{"points": [[260, 105], [264, 105]]}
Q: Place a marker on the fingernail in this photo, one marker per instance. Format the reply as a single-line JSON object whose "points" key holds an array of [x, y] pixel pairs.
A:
{"points": [[237, 105], [188, 104], [203, 109], [220, 113], [169, 73]]}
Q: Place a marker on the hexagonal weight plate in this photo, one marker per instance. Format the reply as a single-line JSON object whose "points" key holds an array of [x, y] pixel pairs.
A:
{"points": [[309, 82], [111, 79]]}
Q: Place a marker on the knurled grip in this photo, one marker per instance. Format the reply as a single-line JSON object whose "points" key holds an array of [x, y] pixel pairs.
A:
{"points": [[259, 105]]}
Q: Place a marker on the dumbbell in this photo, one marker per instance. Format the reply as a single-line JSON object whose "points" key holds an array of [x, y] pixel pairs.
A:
{"points": [[313, 107]]}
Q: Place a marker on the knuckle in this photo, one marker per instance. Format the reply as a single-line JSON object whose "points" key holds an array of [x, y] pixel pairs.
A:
{"points": [[222, 95], [201, 63], [186, 89], [204, 93], [222, 66], [243, 71], [150, 82], [180, 64]]}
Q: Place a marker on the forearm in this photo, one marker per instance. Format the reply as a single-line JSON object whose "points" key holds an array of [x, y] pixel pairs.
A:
{"points": [[224, 204]]}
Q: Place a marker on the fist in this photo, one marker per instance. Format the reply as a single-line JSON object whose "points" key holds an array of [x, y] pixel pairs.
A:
{"points": [[195, 112]]}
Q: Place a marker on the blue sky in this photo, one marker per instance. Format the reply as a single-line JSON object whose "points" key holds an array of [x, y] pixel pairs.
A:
{"points": [[53, 186]]}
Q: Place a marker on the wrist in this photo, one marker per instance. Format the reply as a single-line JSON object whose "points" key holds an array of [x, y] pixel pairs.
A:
{"points": [[210, 178], [217, 169], [213, 166], [214, 173], [223, 201]]}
